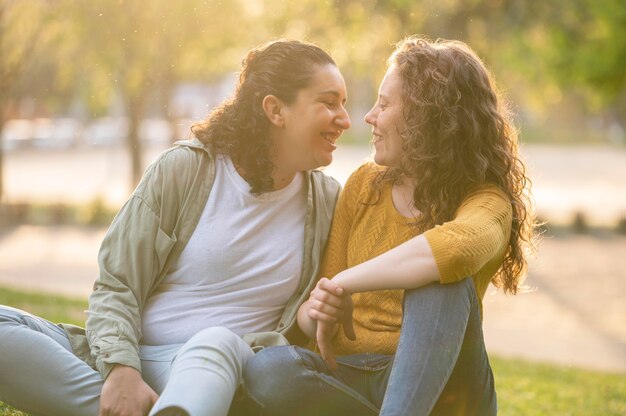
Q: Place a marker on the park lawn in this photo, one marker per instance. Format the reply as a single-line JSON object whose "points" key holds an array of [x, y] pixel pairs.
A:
{"points": [[51, 307], [524, 388]]}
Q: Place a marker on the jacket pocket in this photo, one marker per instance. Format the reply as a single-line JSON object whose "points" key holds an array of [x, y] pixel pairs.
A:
{"points": [[163, 246]]}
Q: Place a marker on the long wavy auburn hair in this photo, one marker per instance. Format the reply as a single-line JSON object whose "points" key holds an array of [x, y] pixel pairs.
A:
{"points": [[458, 138], [239, 127]]}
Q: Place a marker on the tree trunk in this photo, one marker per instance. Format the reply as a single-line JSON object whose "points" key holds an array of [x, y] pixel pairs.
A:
{"points": [[4, 91], [1, 156], [135, 110], [4, 114], [166, 84]]}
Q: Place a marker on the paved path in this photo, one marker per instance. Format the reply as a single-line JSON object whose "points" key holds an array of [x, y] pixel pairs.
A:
{"points": [[574, 316], [576, 312], [591, 179]]}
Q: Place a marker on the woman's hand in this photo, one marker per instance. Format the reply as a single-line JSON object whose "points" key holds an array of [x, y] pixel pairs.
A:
{"points": [[124, 393], [330, 304], [326, 301], [326, 331]]}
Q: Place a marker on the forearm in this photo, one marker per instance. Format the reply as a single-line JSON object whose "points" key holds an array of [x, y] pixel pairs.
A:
{"points": [[308, 318], [112, 328], [407, 266], [307, 324]]}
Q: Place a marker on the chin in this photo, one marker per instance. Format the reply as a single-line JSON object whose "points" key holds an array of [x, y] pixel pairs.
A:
{"points": [[324, 161]]}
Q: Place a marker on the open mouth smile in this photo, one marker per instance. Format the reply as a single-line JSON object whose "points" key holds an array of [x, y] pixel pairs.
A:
{"points": [[331, 136]]}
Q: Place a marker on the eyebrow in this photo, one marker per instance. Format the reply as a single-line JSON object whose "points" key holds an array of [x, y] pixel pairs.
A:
{"points": [[333, 93]]}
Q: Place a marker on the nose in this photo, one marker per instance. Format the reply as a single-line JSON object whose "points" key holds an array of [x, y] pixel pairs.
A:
{"points": [[343, 119], [370, 117]]}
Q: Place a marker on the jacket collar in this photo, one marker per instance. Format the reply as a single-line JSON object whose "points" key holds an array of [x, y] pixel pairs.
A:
{"points": [[193, 143]]}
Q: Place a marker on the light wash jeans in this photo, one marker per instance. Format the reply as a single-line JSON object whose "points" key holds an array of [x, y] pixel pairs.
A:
{"points": [[440, 367], [39, 373]]}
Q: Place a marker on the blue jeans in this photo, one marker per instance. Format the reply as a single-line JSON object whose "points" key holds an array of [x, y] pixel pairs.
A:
{"points": [[440, 367], [40, 374]]}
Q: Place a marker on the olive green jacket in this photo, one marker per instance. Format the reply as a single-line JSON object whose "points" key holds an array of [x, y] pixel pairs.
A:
{"points": [[147, 237]]}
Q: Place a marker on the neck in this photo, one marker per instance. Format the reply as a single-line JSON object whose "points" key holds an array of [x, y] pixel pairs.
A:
{"points": [[281, 178], [405, 182], [402, 195], [284, 171]]}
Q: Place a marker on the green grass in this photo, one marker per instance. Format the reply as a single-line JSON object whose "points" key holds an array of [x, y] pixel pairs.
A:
{"points": [[53, 308], [524, 388], [9, 411]]}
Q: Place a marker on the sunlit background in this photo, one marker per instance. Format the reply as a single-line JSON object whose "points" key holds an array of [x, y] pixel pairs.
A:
{"points": [[92, 91]]}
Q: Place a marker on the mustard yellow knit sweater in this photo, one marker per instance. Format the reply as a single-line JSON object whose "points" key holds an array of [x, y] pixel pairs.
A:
{"points": [[367, 224]]}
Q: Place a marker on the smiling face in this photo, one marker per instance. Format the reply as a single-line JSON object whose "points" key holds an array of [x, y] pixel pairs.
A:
{"points": [[387, 120], [304, 133]]}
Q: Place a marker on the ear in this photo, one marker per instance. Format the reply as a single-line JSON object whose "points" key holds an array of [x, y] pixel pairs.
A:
{"points": [[273, 108]]}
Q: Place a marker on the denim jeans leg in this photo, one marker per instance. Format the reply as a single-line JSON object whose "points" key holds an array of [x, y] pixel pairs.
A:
{"points": [[39, 373], [205, 374], [440, 327], [291, 380], [470, 389]]}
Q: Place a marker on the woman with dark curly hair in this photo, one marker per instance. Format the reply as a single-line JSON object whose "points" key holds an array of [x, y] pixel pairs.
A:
{"points": [[416, 239], [211, 257]]}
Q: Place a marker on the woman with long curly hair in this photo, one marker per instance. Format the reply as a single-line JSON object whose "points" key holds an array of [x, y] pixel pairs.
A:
{"points": [[417, 237], [211, 256]]}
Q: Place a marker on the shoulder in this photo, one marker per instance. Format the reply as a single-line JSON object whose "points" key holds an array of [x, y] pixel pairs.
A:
{"points": [[365, 173], [172, 172], [488, 199], [183, 153], [178, 161], [362, 182], [487, 194]]}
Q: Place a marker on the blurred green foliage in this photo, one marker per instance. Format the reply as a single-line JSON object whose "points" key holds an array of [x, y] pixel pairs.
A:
{"points": [[61, 50], [560, 62]]}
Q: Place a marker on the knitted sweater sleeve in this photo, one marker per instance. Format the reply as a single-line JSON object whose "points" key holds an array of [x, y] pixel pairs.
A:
{"points": [[478, 234]]}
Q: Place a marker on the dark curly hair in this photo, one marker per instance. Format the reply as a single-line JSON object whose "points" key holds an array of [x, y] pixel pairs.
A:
{"points": [[459, 137], [239, 127]]}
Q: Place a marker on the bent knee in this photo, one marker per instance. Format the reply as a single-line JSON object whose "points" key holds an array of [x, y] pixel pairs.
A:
{"points": [[462, 287], [273, 359], [215, 332], [270, 370], [11, 315], [218, 337]]}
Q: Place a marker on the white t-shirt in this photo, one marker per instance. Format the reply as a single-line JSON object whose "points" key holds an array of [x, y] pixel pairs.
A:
{"points": [[240, 267]]}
